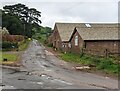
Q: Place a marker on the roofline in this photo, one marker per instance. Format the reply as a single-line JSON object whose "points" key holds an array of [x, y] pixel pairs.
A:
{"points": [[85, 23], [104, 40], [74, 31]]}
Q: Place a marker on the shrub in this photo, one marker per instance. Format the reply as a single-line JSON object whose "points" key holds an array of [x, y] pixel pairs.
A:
{"points": [[9, 45], [50, 45], [108, 66]]}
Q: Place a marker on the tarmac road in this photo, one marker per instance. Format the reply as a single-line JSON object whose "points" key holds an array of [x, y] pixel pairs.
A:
{"points": [[42, 70]]}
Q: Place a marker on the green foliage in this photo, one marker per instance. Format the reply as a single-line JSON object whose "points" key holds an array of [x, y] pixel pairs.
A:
{"points": [[105, 64], [23, 45], [42, 34], [12, 23], [9, 57], [9, 45], [71, 57], [20, 20], [108, 66], [50, 45]]}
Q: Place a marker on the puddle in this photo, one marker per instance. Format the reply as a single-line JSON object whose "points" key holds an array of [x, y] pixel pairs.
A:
{"points": [[43, 56], [46, 76], [11, 86], [46, 65], [55, 80], [40, 83], [61, 81], [48, 70], [21, 79]]}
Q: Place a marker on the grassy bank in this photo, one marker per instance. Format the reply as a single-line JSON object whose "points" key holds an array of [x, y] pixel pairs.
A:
{"points": [[23, 45], [8, 58], [40, 37], [108, 65]]}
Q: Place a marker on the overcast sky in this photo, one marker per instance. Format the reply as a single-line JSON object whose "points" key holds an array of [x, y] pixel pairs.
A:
{"points": [[104, 11]]}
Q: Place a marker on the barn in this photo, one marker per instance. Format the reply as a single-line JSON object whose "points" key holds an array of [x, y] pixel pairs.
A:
{"points": [[95, 37]]}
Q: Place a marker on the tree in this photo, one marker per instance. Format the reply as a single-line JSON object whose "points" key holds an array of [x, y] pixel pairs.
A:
{"points": [[21, 16], [12, 23]]}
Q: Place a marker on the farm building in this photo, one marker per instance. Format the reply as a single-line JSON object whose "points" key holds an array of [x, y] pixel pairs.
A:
{"points": [[73, 37]]}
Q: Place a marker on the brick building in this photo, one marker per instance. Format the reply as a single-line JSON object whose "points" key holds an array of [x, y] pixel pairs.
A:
{"points": [[73, 37]]}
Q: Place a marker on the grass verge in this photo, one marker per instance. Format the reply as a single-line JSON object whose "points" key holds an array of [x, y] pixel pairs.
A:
{"points": [[106, 65], [23, 45], [8, 58]]}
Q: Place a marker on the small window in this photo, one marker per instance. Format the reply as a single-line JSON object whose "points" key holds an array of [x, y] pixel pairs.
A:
{"points": [[63, 45], [76, 40], [69, 45], [88, 25], [115, 44]]}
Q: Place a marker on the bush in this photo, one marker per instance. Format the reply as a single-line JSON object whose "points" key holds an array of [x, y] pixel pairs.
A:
{"points": [[108, 66], [50, 45], [9, 45]]}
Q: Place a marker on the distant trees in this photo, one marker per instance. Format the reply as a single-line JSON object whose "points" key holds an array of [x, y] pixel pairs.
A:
{"points": [[19, 19]]}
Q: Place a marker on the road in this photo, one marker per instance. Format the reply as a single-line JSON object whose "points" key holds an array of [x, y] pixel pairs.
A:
{"points": [[42, 70]]}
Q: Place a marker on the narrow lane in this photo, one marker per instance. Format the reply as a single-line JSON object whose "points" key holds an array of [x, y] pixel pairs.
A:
{"points": [[42, 70]]}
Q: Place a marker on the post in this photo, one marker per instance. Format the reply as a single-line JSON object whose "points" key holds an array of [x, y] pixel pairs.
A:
{"points": [[106, 53]]}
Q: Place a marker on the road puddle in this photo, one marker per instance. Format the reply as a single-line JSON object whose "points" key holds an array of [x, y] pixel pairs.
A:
{"points": [[44, 76], [61, 81], [40, 83], [21, 79]]}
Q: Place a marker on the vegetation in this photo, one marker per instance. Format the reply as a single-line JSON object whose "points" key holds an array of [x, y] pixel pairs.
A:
{"points": [[20, 20], [23, 45], [105, 64], [42, 34], [6, 45], [10, 58]]}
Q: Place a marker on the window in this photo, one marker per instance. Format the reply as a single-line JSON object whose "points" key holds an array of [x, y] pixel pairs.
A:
{"points": [[88, 25], [63, 45], [69, 45], [115, 44], [76, 40]]}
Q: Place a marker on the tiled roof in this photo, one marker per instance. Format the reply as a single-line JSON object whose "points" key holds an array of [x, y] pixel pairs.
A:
{"points": [[89, 31]]}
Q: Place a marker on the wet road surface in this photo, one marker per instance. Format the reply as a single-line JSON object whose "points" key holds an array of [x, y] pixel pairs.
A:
{"points": [[42, 70]]}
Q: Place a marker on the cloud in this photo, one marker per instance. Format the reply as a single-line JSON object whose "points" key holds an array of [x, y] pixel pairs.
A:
{"points": [[79, 12], [76, 11]]}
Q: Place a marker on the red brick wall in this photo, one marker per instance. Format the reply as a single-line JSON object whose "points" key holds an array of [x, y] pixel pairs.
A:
{"points": [[111, 46], [64, 47], [12, 38], [74, 48], [56, 40]]}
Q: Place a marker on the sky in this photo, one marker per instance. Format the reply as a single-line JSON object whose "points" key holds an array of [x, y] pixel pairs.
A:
{"points": [[72, 11]]}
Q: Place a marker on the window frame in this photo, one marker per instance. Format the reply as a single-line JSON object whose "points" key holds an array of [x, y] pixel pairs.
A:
{"points": [[76, 40]]}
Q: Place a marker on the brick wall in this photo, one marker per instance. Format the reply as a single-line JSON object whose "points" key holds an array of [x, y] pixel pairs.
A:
{"points": [[111, 46], [56, 40], [74, 48]]}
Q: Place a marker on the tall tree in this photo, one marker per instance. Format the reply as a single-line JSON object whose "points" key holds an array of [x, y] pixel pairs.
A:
{"points": [[28, 17]]}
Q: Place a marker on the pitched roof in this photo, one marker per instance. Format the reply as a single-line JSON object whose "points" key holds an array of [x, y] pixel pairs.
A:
{"points": [[66, 29], [89, 31], [98, 33]]}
